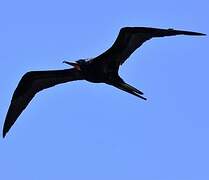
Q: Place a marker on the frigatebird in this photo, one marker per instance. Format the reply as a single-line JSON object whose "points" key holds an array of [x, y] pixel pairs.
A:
{"points": [[101, 69]]}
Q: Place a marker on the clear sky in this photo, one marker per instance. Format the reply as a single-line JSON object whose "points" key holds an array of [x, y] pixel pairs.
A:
{"points": [[90, 131]]}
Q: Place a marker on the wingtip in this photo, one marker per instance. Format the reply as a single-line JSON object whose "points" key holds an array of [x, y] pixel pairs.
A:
{"points": [[4, 134], [201, 34], [5, 131], [195, 33]]}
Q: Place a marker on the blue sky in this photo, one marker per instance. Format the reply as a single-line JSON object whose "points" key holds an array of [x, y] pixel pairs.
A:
{"points": [[93, 131]]}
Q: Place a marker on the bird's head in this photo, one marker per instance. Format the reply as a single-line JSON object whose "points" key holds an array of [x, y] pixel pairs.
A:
{"points": [[79, 64]]}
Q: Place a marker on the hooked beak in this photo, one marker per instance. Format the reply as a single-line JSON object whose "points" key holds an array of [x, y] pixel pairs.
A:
{"points": [[75, 65]]}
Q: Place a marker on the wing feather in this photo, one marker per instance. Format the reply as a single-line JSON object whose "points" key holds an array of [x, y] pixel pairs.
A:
{"points": [[30, 84], [131, 38]]}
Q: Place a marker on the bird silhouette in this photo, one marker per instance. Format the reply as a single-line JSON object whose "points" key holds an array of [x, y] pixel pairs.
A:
{"points": [[101, 69]]}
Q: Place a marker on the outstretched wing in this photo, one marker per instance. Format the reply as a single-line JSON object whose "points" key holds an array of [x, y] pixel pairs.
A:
{"points": [[131, 38], [30, 84]]}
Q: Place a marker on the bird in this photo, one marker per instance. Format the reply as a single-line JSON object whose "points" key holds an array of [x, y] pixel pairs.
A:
{"points": [[101, 69]]}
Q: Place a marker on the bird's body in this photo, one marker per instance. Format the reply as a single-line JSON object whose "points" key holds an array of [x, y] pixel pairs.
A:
{"points": [[101, 69], [95, 71]]}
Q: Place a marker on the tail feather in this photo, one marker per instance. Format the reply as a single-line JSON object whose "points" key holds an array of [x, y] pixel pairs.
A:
{"points": [[129, 89], [132, 88]]}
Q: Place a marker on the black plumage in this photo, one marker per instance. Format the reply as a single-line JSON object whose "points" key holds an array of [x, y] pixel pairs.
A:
{"points": [[101, 69]]}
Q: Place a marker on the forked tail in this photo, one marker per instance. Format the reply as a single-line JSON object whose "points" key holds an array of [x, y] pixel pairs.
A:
{"points": [[130, 89]]}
